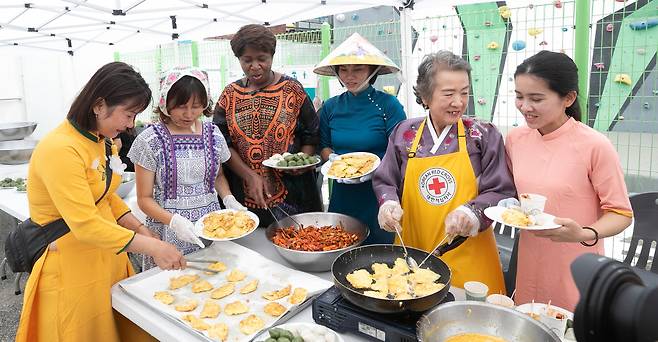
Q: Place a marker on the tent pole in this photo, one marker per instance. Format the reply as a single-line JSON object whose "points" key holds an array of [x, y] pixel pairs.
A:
{"points": [[325, 39], [581, 54], [406, 92]]}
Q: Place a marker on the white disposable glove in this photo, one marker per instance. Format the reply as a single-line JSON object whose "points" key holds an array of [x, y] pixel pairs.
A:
{"points": [[184, 230], [231, 203], [462, 221], [389, 216], [509, 202], [355, 180]]}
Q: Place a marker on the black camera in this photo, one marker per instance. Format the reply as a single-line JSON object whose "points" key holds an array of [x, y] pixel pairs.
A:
{"points": [[617, 303]]}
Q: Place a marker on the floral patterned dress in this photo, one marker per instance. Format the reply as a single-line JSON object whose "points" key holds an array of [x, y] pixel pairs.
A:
{"points": [[185, 168]]}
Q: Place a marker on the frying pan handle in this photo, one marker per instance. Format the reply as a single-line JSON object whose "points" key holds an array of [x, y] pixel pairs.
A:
{"points": [[446, 247]]}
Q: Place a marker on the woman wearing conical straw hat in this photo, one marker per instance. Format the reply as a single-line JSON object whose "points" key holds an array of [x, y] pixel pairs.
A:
{"points": [[360, 119]]}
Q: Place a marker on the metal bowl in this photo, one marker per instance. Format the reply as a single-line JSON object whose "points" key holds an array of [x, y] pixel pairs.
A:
{"points": [[462, 317], [16, 151], [16, 130], [127, 184], [317, 261]]}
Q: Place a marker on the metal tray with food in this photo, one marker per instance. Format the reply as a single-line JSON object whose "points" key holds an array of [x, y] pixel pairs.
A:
{"points": [[246, 296], [351, 165], [226, 224]]}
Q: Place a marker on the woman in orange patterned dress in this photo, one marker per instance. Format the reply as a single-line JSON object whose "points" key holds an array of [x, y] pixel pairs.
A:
{"points": [[262, 114]]}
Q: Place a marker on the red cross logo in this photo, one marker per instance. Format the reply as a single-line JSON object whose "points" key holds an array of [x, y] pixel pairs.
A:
{"points": [[437, 186]]}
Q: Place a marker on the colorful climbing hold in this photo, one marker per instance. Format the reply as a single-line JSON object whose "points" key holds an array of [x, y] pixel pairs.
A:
{"points": [[340, 17], [557, 4], [641, 51], [621, 117], [454, 36], [492, 46], [623, 78], [355, 17], [482, 101], [476, 36], [531, 6], [643, 24], [599, 66], [655, 91], [510, 79], [444, 26], [433, 38], [476, 57], [609, 27], [488, 23], [597, 104], [543, 43], [535, 31], [518, 45], [504, 12], [646, 105], [564, 29]]}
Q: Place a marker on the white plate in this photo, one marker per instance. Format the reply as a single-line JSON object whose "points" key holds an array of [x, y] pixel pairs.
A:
{"points": [[496, 214], [538, 308], [271, 163], [198, 226], [288, 326], [327, 165]]}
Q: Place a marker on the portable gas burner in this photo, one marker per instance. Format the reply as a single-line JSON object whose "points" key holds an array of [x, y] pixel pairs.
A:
{"points": [[332, 310]]}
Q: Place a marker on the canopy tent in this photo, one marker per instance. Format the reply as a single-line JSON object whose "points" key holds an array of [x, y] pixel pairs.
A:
{"points": [[71, 25]]}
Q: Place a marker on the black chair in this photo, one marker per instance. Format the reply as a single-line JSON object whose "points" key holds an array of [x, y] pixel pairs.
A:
{"points": [[645, 231], [508, 243]]}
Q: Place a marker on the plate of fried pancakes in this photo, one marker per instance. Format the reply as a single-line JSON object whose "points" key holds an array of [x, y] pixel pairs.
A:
{"points": [[516, 218], [351, 165], [226, 224]]}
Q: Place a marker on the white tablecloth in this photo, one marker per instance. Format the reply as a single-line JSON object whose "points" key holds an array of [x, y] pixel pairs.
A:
{"points": [[15, 204]]}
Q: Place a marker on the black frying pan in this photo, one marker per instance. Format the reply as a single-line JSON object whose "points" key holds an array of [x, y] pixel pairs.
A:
{"points": [[365, 256]]}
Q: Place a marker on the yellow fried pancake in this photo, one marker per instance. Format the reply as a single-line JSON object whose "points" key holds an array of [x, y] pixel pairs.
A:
{"points": [[516, 217], [201, 286], [375, 294], [211, 309], [424, 289], [196, 323], [222, 291], [235, 308], [219, 331], [235, 275], [178, 282], [251, 324], [274, 309], [380, 284], [423, 275], [298, 295], [381, 270], [397, 284], [164, 297], [218, 266], [250, 287], [275, 295], [187, 305], [400, 267], [360, 279]]}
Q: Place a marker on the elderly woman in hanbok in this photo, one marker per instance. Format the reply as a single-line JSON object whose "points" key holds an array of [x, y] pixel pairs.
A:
{"points": [[178, 162], [360, 119], [443, 171], [67, 296]]}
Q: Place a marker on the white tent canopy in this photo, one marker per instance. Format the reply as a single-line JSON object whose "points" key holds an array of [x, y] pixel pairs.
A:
{"points": [[71, 25]]}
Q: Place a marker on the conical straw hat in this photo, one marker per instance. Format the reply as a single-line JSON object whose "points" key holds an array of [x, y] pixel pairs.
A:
{"points": [[355, 50]]}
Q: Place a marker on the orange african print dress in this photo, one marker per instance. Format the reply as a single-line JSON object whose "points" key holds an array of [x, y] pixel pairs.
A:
{"points": [[276, 119]]}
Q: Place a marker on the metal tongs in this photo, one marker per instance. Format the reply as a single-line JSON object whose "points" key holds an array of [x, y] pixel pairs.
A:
{"points": [[442, 248], [205, 269], [278, 223]]}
